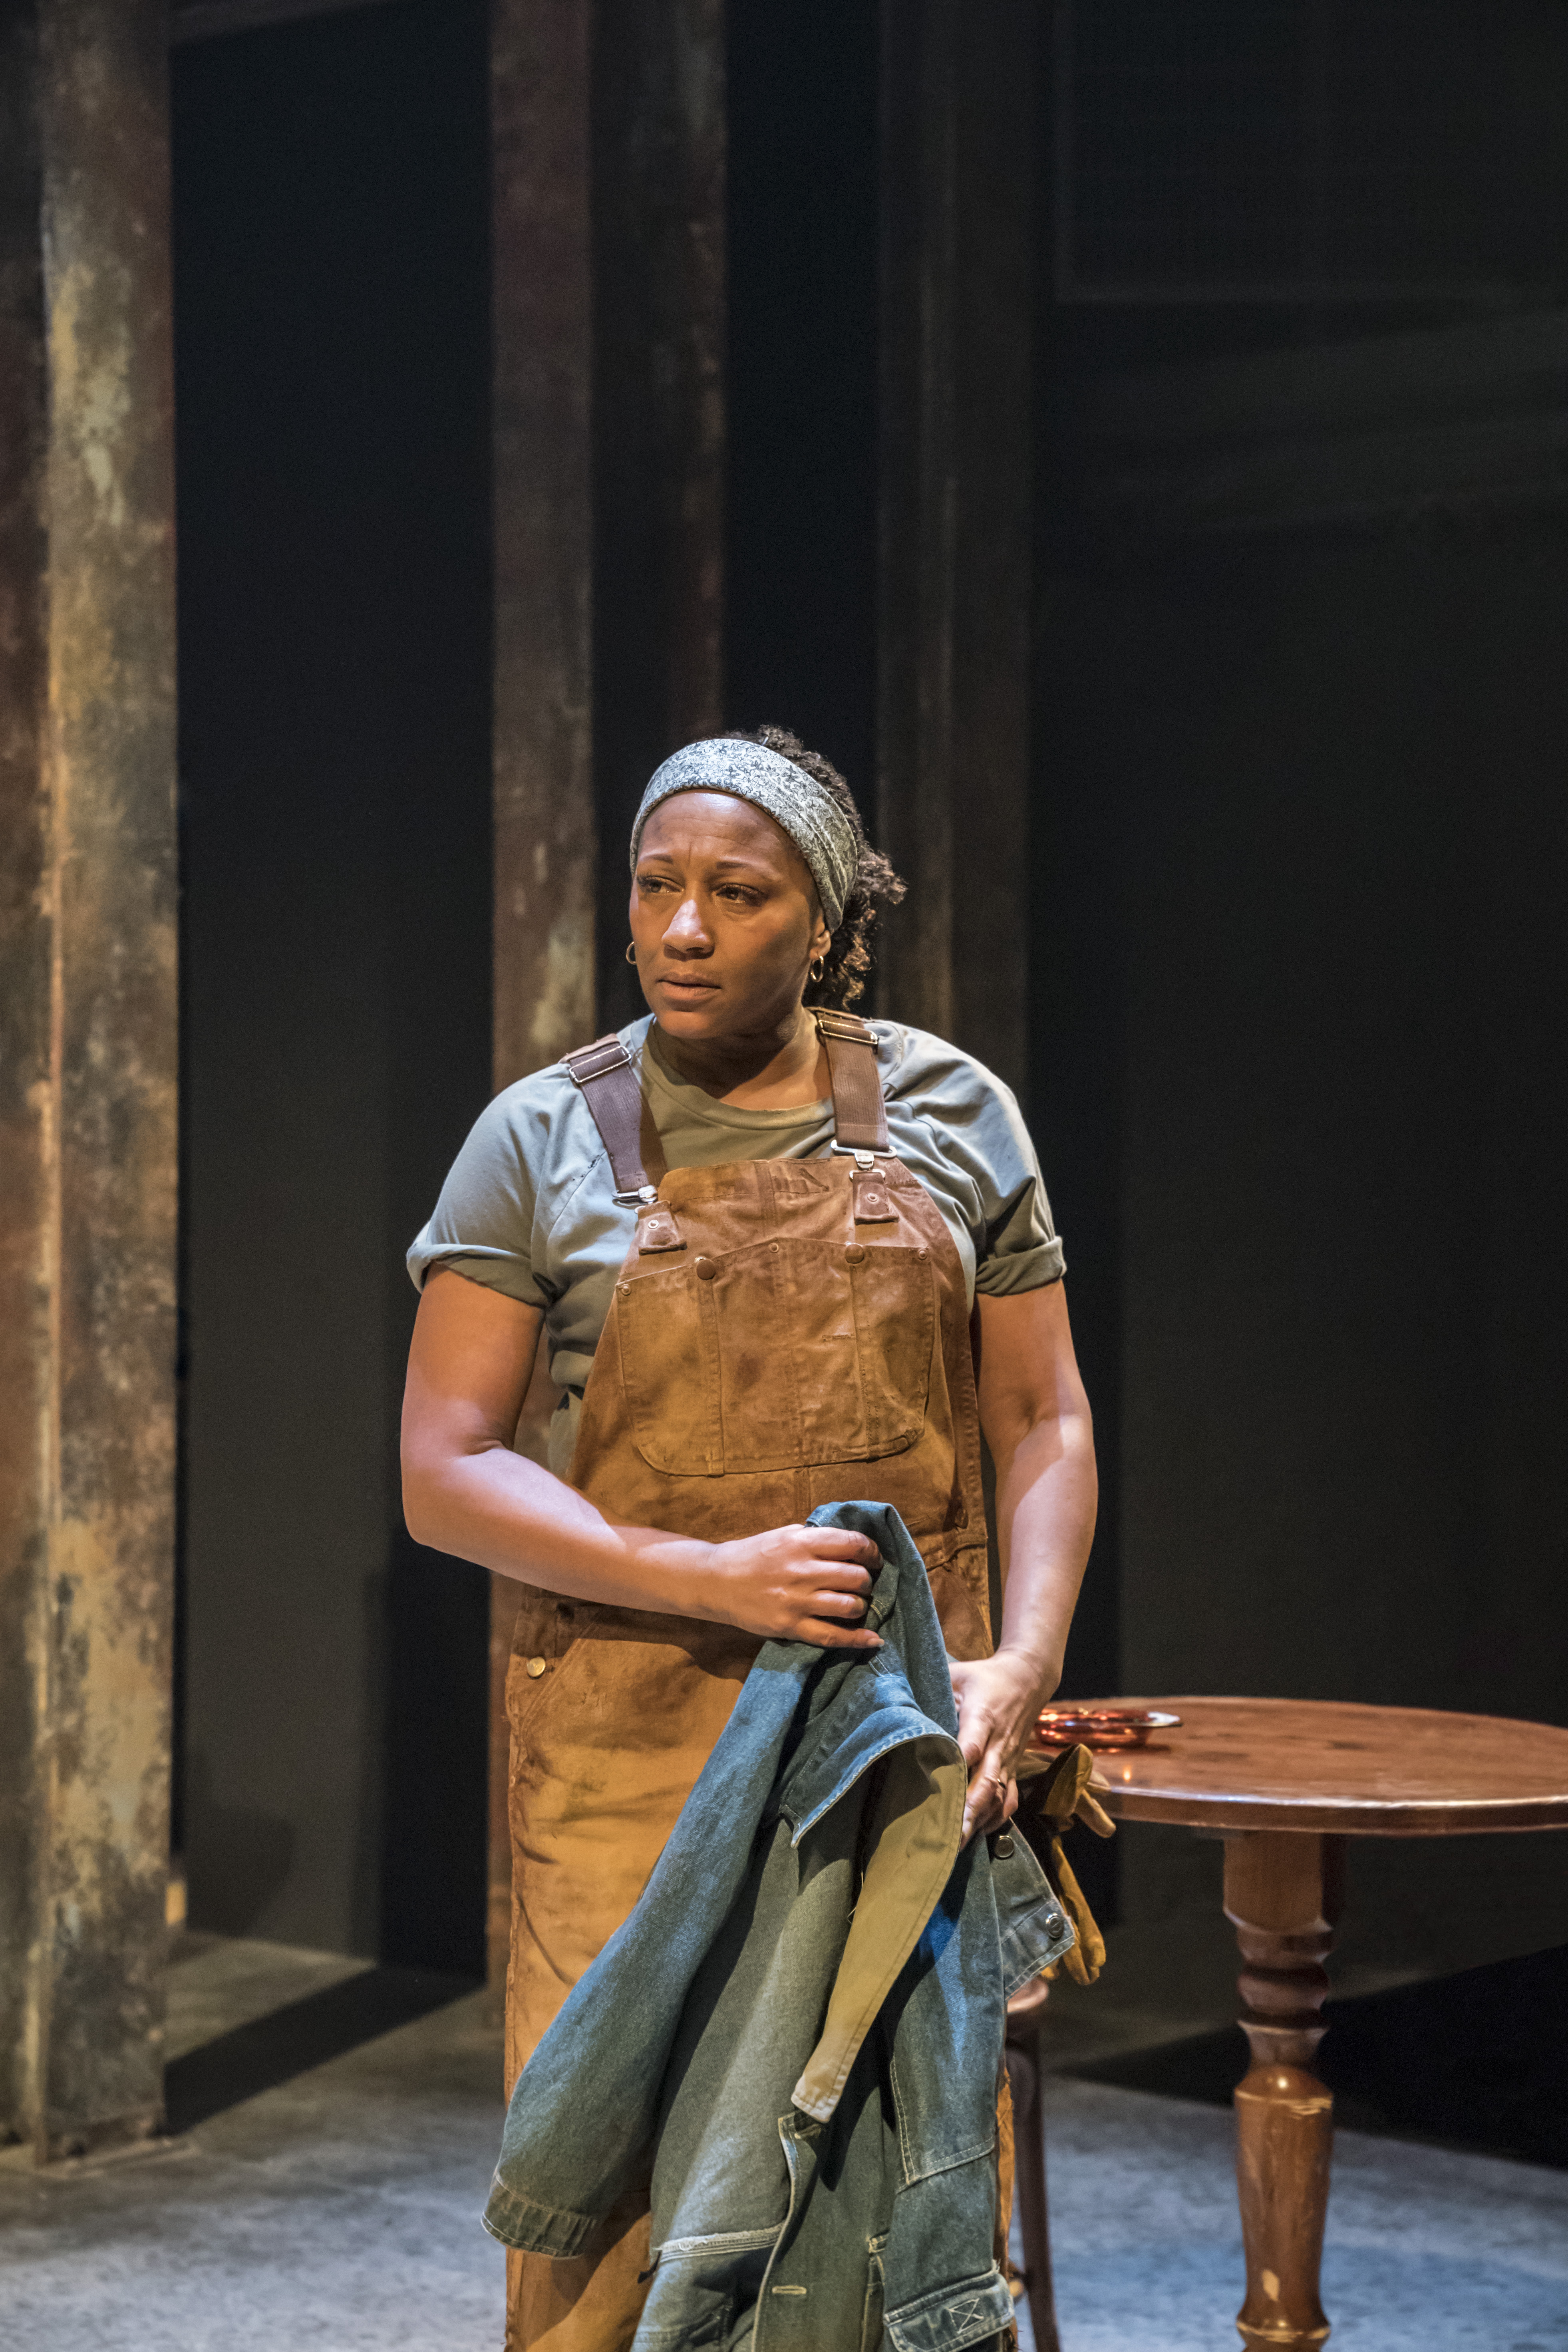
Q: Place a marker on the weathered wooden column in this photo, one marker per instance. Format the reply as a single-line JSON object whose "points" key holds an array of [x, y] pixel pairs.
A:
{"points": [[87, 1069], [544, 829], [608, 187], [957, 330], [658, 416], [546, 835]]}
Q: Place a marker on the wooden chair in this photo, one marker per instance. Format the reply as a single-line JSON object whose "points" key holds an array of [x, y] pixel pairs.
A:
{"points": [[1023, 2014]]}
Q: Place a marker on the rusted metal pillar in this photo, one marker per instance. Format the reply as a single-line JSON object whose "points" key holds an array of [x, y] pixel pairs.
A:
{"points": [[87, 1069], [608, 188], [956, 431]]}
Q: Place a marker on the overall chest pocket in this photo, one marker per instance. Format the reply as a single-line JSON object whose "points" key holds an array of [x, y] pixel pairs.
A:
{"points": [[779, 1356]]}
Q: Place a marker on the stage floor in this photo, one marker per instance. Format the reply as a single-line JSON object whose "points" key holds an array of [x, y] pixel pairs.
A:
{"points": [[335, 2209]]}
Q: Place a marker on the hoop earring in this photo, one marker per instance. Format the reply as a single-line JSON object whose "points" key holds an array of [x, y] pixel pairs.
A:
{"points": [[815, 969], [631, 952]]}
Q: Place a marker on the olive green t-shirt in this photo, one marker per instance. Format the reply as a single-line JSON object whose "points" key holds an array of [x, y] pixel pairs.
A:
{"points": [[529, 1207]]}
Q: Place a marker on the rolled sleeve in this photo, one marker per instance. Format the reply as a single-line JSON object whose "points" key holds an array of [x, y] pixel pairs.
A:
{"points": [[1018, 1248], [500, 1270], [1022, 1249], [483, 1225]]}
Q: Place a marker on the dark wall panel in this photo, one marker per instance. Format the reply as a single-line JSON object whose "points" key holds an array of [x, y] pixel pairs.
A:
{"points": [[1345, 1363], [1312, 782], [1300, 857], [331, 307]]}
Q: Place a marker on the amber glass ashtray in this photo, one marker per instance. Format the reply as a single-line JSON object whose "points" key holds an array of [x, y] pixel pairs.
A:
{"points": [[1099, 1726]]}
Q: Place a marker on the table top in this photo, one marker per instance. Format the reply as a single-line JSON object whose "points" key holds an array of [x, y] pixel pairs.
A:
{"points": [[1321, 1764]]}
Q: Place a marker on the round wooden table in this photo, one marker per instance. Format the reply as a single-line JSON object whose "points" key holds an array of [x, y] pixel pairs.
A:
{"points": [[1285, 1782]]}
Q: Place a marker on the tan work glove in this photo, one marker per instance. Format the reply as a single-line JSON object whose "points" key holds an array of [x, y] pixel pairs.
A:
{"points": [[1063, 1798]]}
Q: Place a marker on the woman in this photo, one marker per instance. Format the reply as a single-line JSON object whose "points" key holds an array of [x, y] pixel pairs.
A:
{"points": [[783, 1257]]}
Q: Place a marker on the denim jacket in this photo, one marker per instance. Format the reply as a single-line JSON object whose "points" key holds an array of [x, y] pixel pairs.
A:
{"points": [[799, 2028]]}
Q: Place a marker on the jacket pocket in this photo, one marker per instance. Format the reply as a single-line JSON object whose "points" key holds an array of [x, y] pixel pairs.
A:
{"points": [[953, 2316], [779, 1356]]}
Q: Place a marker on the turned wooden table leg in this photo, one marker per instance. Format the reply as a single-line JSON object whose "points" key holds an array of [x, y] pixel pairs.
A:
{"points": [[1282, 1892]]}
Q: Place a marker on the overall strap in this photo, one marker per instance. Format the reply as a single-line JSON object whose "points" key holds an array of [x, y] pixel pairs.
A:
{"points": [[603, 1073], [859, 1114]]}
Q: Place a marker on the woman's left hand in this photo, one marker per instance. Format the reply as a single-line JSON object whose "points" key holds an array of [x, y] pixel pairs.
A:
{"points": [[998, 1698]]}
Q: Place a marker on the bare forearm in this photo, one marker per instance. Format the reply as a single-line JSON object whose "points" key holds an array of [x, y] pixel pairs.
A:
{"points": [[1037, 1423], [494, 1507], [1046, 1495], [485, 1503]]}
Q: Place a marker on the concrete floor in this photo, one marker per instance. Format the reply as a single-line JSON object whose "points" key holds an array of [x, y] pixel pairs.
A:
{"points": [[339, 2210]]}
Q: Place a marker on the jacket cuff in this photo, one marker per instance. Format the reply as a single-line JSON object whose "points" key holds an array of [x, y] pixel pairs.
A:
{"points": [[1031, 1946], [536, 2229]]}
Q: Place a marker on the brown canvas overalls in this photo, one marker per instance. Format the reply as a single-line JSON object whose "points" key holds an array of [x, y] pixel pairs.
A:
{"points": [[783, 1333]]}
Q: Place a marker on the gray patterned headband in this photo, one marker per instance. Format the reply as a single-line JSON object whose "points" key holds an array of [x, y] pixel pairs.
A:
{"points": [[810, 815]]}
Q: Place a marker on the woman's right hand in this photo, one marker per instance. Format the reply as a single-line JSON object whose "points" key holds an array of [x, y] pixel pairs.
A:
{"points": [[795, 1584]]}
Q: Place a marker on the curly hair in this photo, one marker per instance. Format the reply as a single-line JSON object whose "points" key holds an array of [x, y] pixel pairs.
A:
{"points": [[848, 959]]}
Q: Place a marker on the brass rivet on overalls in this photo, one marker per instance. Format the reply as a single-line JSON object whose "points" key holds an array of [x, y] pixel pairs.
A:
{"points": [[537, 1666], [855, 1254], [706, 1270]]}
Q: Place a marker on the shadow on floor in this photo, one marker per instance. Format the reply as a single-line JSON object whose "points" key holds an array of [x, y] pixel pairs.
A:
{"points": [[304, 2034], [1477, 2061]]}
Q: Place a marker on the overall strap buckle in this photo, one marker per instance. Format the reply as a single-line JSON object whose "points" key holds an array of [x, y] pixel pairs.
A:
{"points": [[873, 1205]]}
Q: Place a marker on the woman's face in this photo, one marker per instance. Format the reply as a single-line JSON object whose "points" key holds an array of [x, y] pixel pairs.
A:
{"points": [[724, 917]]}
